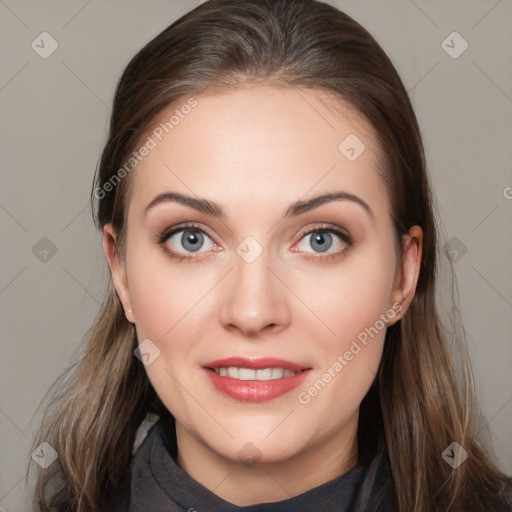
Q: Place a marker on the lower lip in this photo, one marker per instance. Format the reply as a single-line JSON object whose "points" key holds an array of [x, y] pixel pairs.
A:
{"points": [[256, 390]]}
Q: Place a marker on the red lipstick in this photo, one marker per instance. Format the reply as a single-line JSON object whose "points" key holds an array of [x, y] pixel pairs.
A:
{"points": [[255, 363], [255, 390]]}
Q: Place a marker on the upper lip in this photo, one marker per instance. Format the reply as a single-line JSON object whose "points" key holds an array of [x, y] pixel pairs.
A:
{"points": [[256, 363]]}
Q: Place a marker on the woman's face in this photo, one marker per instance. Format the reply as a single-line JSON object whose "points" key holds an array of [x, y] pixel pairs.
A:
{"points": [[265, 271]]}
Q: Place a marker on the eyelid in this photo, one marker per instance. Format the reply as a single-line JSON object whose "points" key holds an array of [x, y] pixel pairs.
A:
{"points": [[330, 228], [167, 233]]}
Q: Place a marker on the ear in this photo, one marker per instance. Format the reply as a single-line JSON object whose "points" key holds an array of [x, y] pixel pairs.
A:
{"points": [[117, 270], [408, 271]]}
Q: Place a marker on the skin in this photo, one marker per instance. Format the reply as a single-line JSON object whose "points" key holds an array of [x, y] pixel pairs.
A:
{"points": [[254, 151]]}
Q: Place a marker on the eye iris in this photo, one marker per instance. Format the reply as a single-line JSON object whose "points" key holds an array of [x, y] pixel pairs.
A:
{"points": [[192, 240], [322, 238]]}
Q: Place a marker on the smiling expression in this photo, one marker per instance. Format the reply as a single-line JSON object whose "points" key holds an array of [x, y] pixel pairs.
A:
{"points": [[251, 235]]}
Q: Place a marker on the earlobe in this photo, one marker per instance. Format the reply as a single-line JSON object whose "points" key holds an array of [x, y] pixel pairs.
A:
{"points": [[117, 270], [408, 274]]}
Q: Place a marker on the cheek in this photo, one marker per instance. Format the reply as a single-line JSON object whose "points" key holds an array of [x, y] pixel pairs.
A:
{"points": [[351, 297], [152, 302], [163, 294], [353, 301], [166, 301]]}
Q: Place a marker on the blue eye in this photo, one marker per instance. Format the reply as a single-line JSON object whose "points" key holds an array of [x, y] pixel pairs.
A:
{"points": [[186, 239], [191, 240], [323, 239]]}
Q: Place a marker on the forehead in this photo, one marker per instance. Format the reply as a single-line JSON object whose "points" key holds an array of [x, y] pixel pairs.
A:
{"points": [[274, 144]]}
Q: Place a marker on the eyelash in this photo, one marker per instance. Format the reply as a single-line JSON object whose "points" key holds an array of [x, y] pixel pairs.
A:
{"points": [[344, 237]]}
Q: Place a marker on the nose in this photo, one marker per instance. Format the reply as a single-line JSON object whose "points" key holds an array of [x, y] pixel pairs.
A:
{"points": [[254, 300]]}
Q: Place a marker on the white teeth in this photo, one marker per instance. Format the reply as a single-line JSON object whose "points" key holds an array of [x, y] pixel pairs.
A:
{"points": [[264, 374], [251, 374], [277, 373], [233, 372], [246, 374]]}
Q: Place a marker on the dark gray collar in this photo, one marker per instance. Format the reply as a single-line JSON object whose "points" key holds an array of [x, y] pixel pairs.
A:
{"points": [[159, 484]]}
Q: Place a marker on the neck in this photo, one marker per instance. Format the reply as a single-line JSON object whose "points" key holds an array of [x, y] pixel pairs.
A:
{"points": [[244, 484]]}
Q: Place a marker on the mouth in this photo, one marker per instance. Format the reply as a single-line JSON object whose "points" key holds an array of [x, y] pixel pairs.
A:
{"points": [[262, 374], [255, 379]]}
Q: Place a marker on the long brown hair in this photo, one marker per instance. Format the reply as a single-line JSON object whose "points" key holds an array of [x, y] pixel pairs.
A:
{"points": [[420, 401]]}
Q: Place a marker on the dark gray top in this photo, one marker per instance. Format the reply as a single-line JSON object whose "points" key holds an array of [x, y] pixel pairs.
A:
{"points": [[158, 484]]}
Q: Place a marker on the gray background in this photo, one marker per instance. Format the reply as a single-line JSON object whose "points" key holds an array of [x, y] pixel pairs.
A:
{"points": [[55, 114]]}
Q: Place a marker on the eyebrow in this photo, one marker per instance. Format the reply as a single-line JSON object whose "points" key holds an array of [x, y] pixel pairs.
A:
{"points": [[295, 209]]}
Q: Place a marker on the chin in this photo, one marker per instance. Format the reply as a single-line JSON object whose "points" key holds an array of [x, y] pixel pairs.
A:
{"points": [[250, 450]]}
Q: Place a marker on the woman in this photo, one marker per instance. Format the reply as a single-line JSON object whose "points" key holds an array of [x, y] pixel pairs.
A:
{"points": [[268, 223]]}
